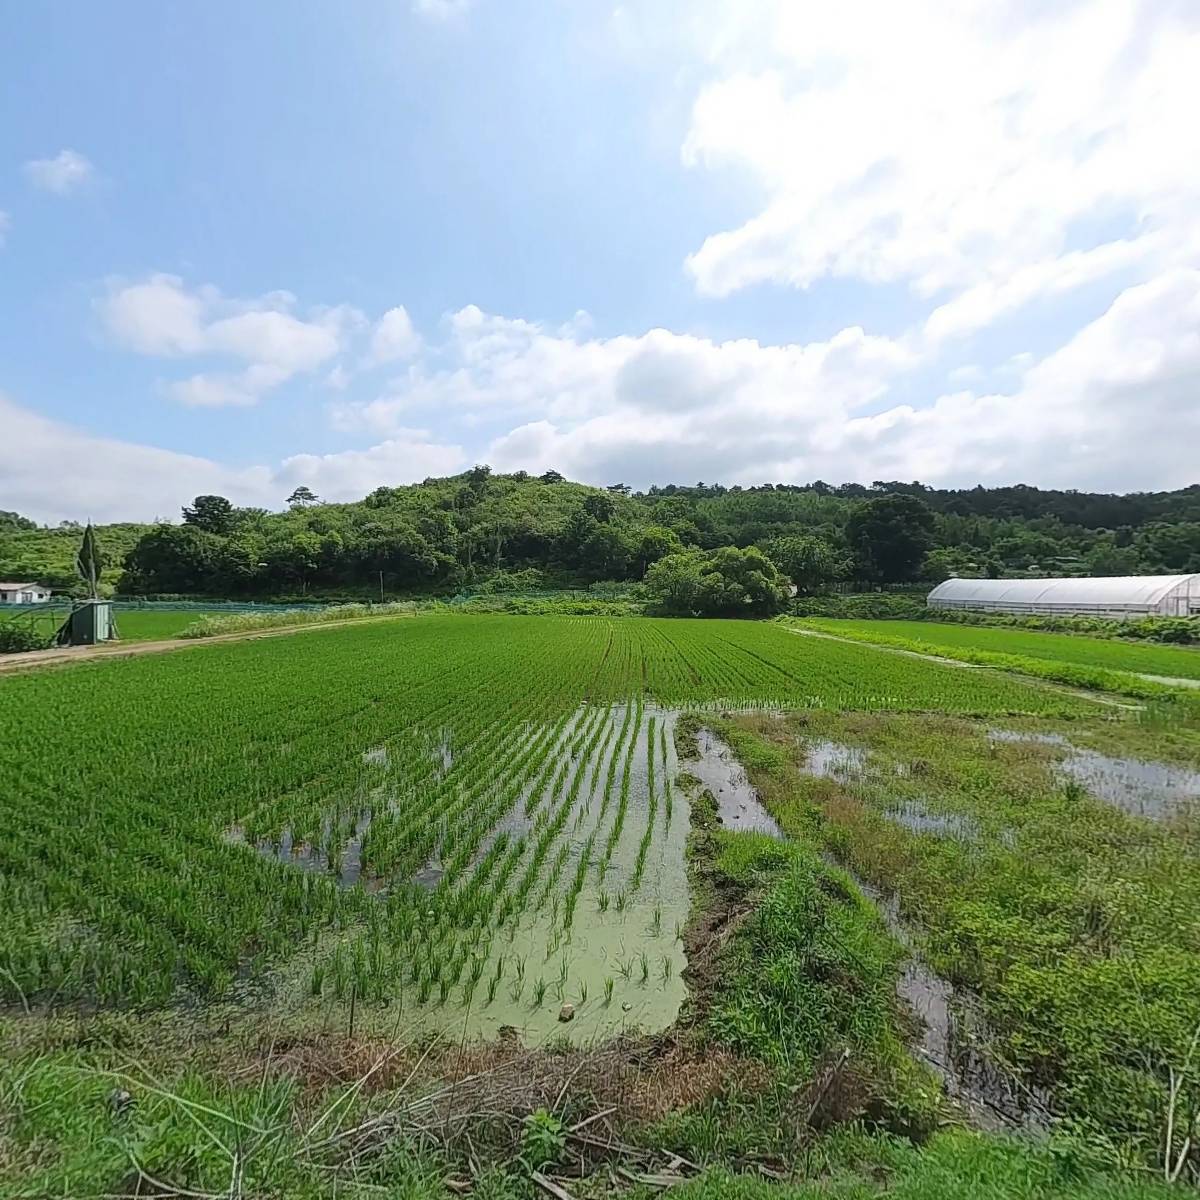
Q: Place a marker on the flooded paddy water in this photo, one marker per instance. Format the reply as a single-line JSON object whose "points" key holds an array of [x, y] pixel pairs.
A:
{"points": [[590, 945], [738, 804], [1139, 787]]}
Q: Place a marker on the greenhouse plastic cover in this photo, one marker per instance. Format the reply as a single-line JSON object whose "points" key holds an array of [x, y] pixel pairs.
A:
{"points": [[1111, 590]]}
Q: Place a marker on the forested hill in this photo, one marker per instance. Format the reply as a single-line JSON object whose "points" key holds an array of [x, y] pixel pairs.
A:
{"points": [[443, 534]]}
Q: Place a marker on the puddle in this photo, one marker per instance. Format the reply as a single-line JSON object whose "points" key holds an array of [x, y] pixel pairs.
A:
{"points": [[429, 876], [1170, 680], [827, 759], [343, 863], [1137, 786], [954, 1036], [737, 801], [911, 814]]}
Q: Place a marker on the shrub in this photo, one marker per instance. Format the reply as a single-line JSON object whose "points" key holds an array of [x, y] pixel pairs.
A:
{"points": [[15, 639], [894, 606]]}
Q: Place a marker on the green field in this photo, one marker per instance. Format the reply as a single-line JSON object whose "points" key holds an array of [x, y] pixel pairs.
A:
{"points": [[302, 738], [133, 624], [1178, 662], [472, 826], [149, 624]]}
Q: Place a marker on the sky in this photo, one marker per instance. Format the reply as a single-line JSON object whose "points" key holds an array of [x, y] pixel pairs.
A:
{"points": [[245, 247]]}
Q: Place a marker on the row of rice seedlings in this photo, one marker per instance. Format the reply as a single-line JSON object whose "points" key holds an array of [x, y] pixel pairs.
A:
{"points": [[668, 786], [652, 809], [614, 834]]}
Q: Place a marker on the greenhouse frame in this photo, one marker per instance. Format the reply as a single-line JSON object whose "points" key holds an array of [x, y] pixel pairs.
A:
{"points": [[1120, 596]]}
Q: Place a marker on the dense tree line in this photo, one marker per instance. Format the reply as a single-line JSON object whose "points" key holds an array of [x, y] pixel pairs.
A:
{"points": [[448, 533]]}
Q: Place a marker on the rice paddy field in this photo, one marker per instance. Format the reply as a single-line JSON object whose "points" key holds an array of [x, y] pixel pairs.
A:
{"points": [[504, 830], [404, 809]]}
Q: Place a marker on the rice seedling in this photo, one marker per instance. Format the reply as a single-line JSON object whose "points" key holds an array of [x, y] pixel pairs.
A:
{"points": [[609, 984]]}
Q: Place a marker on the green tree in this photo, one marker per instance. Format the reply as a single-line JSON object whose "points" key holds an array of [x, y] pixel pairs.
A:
{"points": [[656, 542], [302, 497], [599, 506], [811, 563], [726, 582], [88, 562], [171, 558], [890, 536], [1107, 558], [1170, 548], [213, 514], [673, 582], [12, 521]]}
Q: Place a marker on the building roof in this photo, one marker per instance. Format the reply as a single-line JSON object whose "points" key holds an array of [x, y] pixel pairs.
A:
{"points": [[1111, 590], [19, 587]]}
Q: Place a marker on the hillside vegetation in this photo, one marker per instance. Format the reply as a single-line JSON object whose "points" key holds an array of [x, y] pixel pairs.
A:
{"points": [[445, 534]]}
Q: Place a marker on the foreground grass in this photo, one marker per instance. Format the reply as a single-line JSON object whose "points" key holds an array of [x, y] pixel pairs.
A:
{"points": [[73, 1131]]}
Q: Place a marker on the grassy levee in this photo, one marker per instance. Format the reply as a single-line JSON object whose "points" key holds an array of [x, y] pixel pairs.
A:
{"points": [[1075, 924], [215, 624], [1148, 658], [1073, 674]]}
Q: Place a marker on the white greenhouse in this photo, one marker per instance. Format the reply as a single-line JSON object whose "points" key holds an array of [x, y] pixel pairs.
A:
{"points": [[1116, 596]]}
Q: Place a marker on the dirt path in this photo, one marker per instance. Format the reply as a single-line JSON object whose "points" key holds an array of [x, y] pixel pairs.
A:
{"points": [[65, 656]]}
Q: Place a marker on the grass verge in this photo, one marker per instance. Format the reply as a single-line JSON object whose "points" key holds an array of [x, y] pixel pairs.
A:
{"points": [[1098, 679]]}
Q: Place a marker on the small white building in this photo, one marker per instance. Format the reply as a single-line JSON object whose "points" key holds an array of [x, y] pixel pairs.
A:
{"points": [[23, 593], [1112, 596]]}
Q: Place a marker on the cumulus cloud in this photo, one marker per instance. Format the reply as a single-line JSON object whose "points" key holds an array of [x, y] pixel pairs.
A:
{"points": [[161, 317], [664, 406], [66, 172], [985, 150], [394, 336], [53, 471]]}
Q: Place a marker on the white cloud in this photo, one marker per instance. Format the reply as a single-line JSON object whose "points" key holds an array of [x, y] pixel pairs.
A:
{"points": [[66, 172], [1113, 408], [5, 226], [394, 337], [161, 317], [350, 474], [53, 471], [441, 10], [665, 407], [986, 150]]}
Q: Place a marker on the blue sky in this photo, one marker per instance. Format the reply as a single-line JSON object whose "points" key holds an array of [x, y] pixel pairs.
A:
{"points": [[249, 246]]}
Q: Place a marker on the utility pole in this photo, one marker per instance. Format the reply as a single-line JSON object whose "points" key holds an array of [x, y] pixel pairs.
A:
{"points": [[380, 587]]}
